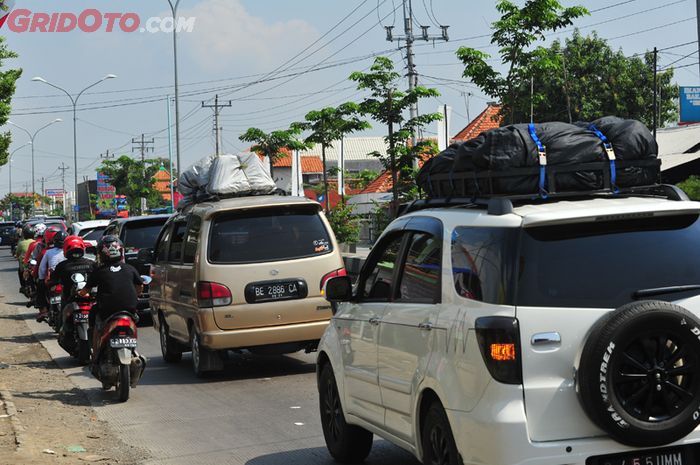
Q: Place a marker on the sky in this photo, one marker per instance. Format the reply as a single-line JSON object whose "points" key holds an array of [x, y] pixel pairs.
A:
{"points": [[274, 59]]}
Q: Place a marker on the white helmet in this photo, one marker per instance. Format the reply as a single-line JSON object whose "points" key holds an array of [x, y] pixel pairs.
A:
{"points": [[39, 230]]}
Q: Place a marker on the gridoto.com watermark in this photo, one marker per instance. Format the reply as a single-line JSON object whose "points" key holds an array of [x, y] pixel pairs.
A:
{"points": [[90, 20]]}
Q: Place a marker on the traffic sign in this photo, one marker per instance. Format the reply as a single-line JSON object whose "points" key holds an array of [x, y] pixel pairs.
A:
{"points": [[76, 208], [690, 104]]}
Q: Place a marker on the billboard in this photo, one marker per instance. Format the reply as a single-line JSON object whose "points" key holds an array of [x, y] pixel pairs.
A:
{"points": [[54, 193], [690, 104], [105, 195]]}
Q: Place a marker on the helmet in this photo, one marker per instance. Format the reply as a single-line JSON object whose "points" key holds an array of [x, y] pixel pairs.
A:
{"points": [[74, 247], [27, 231], [39, 230], [59, 238], [110, 249], [49, 234]]}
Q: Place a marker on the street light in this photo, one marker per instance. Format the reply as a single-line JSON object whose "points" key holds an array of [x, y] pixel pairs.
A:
{"points": [[9, 165], [31, 139], [173, 8], [74, 101]]}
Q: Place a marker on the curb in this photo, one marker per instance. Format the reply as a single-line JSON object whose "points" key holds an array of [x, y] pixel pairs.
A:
{"points": [[11, 411]]}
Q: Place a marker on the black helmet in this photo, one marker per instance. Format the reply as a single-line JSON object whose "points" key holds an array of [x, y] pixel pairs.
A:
{"points": [[110, 249], [59, 238], [28, 232]]}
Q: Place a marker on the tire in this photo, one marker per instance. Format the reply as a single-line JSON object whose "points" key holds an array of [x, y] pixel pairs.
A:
{"points": [[83, 352], [639, 374], [439, 447], [197, 355], [346, 443], [168, 347], [124, 382]]}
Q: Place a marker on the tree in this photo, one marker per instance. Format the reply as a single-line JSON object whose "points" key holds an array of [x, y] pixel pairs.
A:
{"points": [[328, 125], [132, 178], [345, 225], [516, 31], [691, 186], [388, 105], [24, 204], [8, 78], [273, 144]]}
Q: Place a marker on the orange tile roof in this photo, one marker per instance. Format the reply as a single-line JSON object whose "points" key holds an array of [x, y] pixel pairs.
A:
{"points": [[487, 119], [308, 164]]}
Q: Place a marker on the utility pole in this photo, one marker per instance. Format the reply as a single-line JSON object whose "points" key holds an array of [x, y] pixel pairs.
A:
{"points": [[63, 169], [86, 180], [143, 146], [655, 86], [409, 38], [43, 191], [697, 14], [394, 177], [217, 129], [108, 156]]}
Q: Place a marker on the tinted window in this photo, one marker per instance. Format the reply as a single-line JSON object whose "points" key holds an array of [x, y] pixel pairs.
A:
{"points": [[176, 240], [192, 239], [420, 277], [377, 283], [483, 261], [93, 234], [601, 264], [141, 234], [162, 247], [267, 234]]}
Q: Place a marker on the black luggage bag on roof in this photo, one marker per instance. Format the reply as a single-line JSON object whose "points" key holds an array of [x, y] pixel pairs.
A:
{"points": [[609, 153]]}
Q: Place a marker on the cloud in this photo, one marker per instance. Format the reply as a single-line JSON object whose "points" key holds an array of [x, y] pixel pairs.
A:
{"points": [[225, 33]]}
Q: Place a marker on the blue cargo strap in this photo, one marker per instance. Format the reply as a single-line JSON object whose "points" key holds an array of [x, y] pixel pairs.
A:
{"points": [[543, 159], [611, 156]]}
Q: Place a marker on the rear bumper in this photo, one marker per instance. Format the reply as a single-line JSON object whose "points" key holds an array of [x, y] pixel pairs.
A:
{"points": [[252, 337], [495, 433]]}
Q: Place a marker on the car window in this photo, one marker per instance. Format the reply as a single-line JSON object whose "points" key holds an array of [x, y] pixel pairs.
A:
{"points": [[268, 234], [111, 230], [483, 261], [192, 239], [141, 234], [93, 234], [177, 238], [161, 254], [376, 284], [420, 276]]}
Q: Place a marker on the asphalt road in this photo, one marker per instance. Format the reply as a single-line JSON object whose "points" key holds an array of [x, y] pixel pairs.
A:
{"points": [[259, 411]]}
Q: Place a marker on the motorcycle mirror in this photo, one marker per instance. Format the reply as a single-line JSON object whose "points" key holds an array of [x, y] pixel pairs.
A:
{"points": [[146, 279], [32, 262], [80, 286], [77, 278]]}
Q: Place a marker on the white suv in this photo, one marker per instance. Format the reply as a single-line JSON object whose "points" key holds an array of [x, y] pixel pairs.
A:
{"points": [[542, 332]]}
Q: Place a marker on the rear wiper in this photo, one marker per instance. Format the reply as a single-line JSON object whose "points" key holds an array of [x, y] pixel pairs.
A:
{"points": [[664, 290]]}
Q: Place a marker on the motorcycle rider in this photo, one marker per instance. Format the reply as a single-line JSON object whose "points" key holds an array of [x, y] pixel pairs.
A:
{"points": [[118, 285], [29, 270], [21, 251], [48, 258]]}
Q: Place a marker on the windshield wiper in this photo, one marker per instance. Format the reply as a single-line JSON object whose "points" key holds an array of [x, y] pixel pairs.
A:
{"points": [[664, 290]]}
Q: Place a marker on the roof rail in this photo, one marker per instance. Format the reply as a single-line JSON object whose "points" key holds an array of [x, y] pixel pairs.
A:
{"points": [[503, 204]]}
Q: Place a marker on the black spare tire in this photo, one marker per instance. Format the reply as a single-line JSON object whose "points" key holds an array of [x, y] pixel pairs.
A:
{"points": [[639, 374]]}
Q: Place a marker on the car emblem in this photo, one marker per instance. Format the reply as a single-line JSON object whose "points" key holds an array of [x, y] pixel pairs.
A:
{"points": [[274, 272]]}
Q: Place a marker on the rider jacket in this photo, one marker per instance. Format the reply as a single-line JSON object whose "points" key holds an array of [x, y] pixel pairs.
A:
{"points": [[64, 272]]}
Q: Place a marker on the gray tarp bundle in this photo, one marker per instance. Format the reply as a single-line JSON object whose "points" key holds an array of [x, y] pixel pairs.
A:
{"points": [[224, 176], [507, 153]]}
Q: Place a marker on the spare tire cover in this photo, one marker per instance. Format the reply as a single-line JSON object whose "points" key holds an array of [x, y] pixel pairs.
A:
{"points": [[639, 373]]}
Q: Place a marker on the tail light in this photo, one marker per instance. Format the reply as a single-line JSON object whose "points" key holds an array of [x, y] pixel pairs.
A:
{"points": [[499, 342], [332, 274], [213, 294], [125, 327], [58, 288]]}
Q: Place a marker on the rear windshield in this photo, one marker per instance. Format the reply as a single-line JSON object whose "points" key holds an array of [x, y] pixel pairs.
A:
{"points": [[94, 234], [601, 264], [142, 234], [268, 234]]}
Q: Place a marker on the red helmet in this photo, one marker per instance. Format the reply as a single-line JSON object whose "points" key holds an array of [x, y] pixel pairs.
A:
{"points": [[74, 247], [49, 234]]}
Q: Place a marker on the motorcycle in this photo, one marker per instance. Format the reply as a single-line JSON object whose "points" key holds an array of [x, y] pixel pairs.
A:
{"points": [[74, 335], [31, 284], [115, 359], [54, 317]]}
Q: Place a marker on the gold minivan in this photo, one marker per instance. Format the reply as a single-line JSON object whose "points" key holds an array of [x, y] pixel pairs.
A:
{"points": [[242, 273]]}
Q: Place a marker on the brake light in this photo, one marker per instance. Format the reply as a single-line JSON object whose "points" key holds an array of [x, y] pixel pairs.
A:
{"points": [[58, 288], [499, 342], [332, 274], [213, 294]]}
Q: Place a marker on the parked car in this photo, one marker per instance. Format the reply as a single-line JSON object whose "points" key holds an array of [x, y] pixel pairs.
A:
{"points": [[8, 233], [549, 332], [136, 233], [242, 273], [90, 231]]}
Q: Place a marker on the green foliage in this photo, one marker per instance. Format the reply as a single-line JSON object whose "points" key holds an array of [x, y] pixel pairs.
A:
{"points": [[362, 179], [272, 144], [132, 178], [388, 105], [691, 186], [23, 204], [344, 224], [8, 78], [514, 33]]}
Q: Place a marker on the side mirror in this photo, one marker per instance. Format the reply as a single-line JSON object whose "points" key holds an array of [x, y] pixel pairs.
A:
{"points": [[78, 278], [146, 279], [145, 255], [32, 262], [338, 289]]}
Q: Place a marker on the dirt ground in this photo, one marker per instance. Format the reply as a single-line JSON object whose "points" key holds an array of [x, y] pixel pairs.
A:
{"points": [[44, 417]]}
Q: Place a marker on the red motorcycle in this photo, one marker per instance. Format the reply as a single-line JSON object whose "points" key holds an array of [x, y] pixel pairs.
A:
{"points": [[74, 334], [54, 317]]}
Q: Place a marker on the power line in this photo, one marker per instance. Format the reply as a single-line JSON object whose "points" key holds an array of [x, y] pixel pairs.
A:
{"points": [[611, 6], [653, 28]]}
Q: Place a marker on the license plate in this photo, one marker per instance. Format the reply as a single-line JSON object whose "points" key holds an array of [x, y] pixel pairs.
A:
{"points": [[80, 317], [648, 457], [122, 342], [55, 300], [272, 291]]}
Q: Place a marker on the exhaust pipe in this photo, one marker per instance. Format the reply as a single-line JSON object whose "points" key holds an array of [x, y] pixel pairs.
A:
{"points": [[136, 369]]}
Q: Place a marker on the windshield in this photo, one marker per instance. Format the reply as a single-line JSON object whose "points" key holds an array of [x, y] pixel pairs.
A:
{"points": [[268, 234], [94, 234], [601, 264], [142, 234]]}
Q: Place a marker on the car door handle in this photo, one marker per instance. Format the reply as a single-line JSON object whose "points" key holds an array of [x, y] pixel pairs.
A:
{"points": [[374, 320], [541, 339], [425, 326]]}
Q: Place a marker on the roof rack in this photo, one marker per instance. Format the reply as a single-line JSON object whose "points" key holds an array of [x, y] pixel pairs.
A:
{"points": [[503, 204]]}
